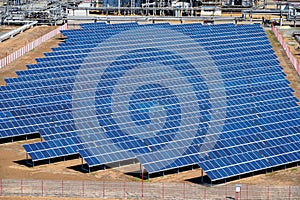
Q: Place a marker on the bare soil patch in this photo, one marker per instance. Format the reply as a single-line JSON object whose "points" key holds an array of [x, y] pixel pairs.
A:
{"points": [[12, 159], [20, 40], [5, 29], [9, 46]]}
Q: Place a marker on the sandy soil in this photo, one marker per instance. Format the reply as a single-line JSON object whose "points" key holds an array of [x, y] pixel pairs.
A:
{"points": [[12, 155], [13, 165], [5, 29], [20, 40]]}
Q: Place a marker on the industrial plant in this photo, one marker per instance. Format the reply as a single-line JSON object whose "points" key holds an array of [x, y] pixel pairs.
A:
{"points": [[53, 12]]}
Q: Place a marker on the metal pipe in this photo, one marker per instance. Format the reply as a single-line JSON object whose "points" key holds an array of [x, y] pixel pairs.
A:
{"points": [[150, 18], [18, 30]]}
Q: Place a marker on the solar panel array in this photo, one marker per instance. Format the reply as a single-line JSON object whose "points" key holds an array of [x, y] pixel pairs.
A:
{"points": [[169, 95]]}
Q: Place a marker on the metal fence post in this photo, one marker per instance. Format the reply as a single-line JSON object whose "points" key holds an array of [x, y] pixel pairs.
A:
{"points": [[142, 183], [62, 188], [42, 188], [204, 192], [21, 187], [225, 191], [82, 188], [163, 191], [0, 186], [289, 192], [241, 193], [247, 192], [6, 58], [124, 190], [183, 190], [268, 190], [103, 189]]}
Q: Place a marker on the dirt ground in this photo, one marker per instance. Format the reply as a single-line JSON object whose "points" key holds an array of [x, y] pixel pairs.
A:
{"points": [[20, 40], [6, 28], [13, 165], [12, 155]]}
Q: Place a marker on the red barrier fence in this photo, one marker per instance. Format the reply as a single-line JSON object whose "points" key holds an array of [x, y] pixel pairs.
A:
{"points": [[15, 55], [287, 49], [137, 190]]}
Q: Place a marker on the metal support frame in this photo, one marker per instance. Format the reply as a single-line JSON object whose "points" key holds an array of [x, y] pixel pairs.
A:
{"points": [[27, 161]]}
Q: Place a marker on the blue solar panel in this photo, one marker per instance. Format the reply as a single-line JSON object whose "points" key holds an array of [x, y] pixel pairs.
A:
{"points": [[168, 95]]}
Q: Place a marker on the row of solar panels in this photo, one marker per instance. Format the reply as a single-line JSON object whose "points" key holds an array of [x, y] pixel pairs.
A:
{"points": [[69, 71], [275, 85], [233, 114]]}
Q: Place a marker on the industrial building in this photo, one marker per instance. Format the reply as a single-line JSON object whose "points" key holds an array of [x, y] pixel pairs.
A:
{"points": [[56, 12]]}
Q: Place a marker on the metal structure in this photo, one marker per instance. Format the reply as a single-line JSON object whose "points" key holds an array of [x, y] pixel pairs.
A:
{"points": [[137, 190], [57, 12], [18, 30], [43, 11]]}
